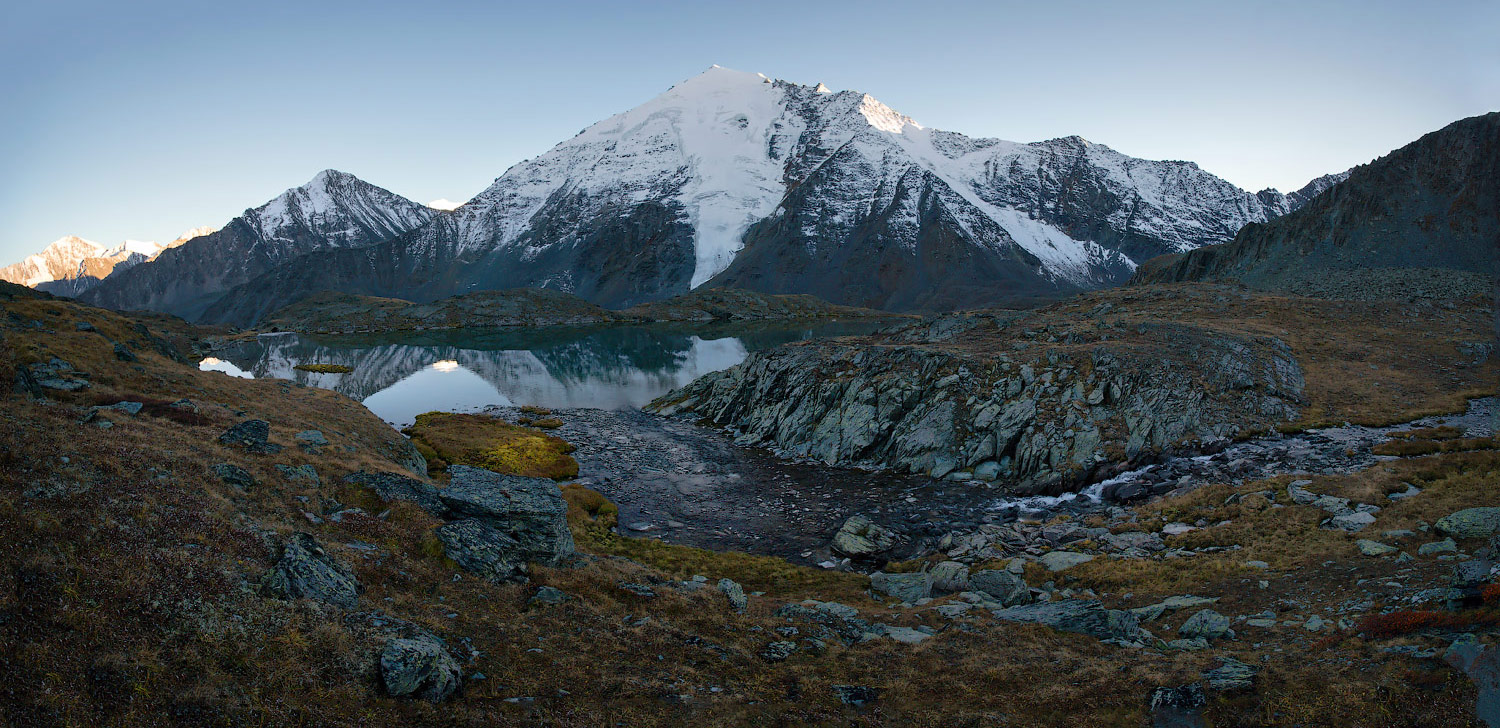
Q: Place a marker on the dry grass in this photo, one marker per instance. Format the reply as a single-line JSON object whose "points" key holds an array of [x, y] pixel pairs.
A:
{"points": [[485, 442]]}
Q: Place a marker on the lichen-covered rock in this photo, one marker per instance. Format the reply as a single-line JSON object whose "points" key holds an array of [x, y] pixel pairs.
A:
{"points": [[860, 537], [419, 668], [1206, 623], [529, 512], [1469, 523], [906, 587], [734, 593], [252, 435], [1077, 615], [233, 475], [306, 571], [483, 550], [390, 486], [1006, 588], [949, 577]]}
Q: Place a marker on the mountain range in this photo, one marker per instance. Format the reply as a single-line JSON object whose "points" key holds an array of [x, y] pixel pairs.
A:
{"points": [[71, 265], [727, 179]]}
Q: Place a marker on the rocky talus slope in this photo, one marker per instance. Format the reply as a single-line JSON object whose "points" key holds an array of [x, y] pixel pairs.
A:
{"points": [[1430, 206], [178, 547], [1048, 399]]}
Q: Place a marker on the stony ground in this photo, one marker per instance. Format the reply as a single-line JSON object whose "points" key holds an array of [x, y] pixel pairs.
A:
{"points": [[175, 563]]}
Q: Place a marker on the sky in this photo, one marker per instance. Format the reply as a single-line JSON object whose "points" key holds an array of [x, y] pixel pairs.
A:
{"points": [[140, 120]]}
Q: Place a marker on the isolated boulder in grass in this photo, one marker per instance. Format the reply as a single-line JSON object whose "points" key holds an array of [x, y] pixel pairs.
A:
{"points": [[418, 668], [1470, 523], [306, 571]]}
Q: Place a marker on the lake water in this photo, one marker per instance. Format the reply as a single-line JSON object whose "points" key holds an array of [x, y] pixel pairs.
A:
{"points": [[463, 370]]}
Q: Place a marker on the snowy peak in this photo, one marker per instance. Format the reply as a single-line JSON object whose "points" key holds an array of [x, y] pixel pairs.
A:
{"points": [[337, 208]]}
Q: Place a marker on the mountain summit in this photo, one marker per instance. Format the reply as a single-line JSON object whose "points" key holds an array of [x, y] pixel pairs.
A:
{"points": [[734, 179], [333, 210]]}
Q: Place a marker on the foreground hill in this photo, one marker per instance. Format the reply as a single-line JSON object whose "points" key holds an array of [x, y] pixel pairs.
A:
{"points": [[1424, 219], [180, 547]]}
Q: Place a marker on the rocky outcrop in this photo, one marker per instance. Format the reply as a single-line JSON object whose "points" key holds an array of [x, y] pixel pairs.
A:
{"points": [[418, 668], [1079, 616], [504, 522], [945, 398]]}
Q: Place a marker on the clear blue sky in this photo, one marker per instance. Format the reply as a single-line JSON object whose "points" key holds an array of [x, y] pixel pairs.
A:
{"points": [[141, 119]]}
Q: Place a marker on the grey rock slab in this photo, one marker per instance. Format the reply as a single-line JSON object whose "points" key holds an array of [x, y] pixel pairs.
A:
{"points": [[860, 537], [1207, 624], [1063, 560], [306, 571], [481, 549], [531, 511], [1079, 616], [1469, 523], [1003, 586], [906, 587]]}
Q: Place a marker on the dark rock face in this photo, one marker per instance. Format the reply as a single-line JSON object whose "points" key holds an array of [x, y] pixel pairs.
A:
{"points": [[306, 571], [1080, 616], [1042, 428], [419, 668], [504, 522], [234, 475], [1432, 204], [1005, 587], [1180, 707]]}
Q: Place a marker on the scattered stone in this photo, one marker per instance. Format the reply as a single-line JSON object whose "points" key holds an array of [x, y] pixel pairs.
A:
{"points": [[548, 595], [1079, 616], [311, 440], [1180, 707], [128, 407], [1445, 546], [306, 571], [1374, 548], [1469, 523], [906, 587], [1208, 624], [251, 435], [1062, 560], [1314, 623], [1176, 529], [860, 537], [1257, 565], [123, 353], [1231, 675], [300, 473], [234, 475], [640, 590], [1350, 522], [1171, 604], [735, 593], [419, 668], [1410, 491], [84, 326], [1149, 542], [906, 635], [856, 695], [778, 651]]}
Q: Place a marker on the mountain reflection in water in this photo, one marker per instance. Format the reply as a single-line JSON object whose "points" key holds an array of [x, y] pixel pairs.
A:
{"points": [[467, 370]]}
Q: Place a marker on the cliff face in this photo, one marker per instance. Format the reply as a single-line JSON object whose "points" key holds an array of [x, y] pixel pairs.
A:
{"points": [[1433, 204]]}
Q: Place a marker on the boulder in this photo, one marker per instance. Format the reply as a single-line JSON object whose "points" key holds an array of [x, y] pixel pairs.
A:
{"points": [[1351, 522], [306, 571], [390, 486], [1469, 523], [1134, 540], [1004, 587], [251, 435], [906, 587], [856, 695], [860, 537], [1231, 675], [949, 577], [233, 475], [1079, 616], [1445, 546], [1374, 548], [1208, 624], [1063, 560], [481, 549], [548, 595], [418, 668], [778, 651], [1170, 604], [530, 512], [734, 593]]}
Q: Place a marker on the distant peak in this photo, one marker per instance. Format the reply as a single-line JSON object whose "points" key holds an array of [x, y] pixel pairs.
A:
{"points": [[820, 88], [443, 203]]}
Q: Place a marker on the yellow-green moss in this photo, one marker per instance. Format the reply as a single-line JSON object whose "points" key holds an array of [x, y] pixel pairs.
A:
{"points": [[324, 368], [465, 439]]}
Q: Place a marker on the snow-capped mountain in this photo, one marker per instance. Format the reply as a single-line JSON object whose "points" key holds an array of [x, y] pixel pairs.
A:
{"points": [[1280, 204], [71, 265], [731, 178], [333, 210]]}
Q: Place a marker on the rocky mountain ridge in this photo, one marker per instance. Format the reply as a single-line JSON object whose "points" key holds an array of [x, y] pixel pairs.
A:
{"points": [[1431, 205], [71, 265], [772, 186], [333, 210]]}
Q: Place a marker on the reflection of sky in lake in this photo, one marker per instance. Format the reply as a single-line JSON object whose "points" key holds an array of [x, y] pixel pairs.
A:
{"points": [[611, 368]]}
